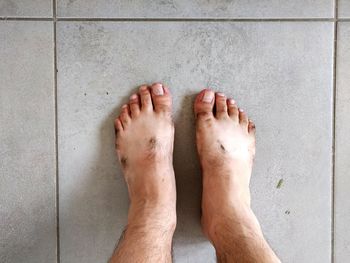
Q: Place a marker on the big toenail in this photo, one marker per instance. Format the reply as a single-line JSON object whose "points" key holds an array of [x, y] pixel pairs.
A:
{"points": [[157, 89], [208, 97]]}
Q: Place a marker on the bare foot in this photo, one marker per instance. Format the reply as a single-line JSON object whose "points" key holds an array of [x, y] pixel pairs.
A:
{"points": [[144, 145], [226, 148]]}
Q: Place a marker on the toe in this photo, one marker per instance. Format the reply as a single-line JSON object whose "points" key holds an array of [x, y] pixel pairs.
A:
{"points": [[251, 127], [118, 126], [204, 104], [233, 110], [161, 98], [220, 105], [134, 104], [243, 119], [125, 116], [146, 101]]}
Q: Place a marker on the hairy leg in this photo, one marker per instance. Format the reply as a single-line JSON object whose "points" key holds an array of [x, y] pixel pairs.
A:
{"points": [[226, 148], [144, 145]]}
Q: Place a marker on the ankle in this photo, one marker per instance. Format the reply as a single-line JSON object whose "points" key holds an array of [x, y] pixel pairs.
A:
{"points": [[152, 215], [231, 222]]}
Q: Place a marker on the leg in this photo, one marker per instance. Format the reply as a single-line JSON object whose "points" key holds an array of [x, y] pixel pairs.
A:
{"points": [[226, 147], [144, 145]]}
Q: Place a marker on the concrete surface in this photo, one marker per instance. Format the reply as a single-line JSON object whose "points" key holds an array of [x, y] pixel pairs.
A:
{"points": [[196, 8], [344, 8], [27, 8], [280, 71], [99, 64], [342, 162], [27, 149]]}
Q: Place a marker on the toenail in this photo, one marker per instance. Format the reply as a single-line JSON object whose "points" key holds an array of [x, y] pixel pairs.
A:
{"points": [[220, 94], [208, 96], [232, 101], [124, 106], [241, 110], [143, 88], [157, 89], [133, 97]]}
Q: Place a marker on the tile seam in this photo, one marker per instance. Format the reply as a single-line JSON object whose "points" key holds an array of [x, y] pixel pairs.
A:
{"points": [[54, 20], [335, 41], [97, 19]]}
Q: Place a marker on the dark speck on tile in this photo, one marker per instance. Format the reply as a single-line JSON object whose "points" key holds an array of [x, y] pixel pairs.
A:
{"points": [[279, 184]]}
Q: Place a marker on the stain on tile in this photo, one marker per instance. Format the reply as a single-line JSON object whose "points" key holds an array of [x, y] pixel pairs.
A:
{"points": [[279, 184]]}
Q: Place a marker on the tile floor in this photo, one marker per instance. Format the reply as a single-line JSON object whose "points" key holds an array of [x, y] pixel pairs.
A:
{"points": [[66, 67]]}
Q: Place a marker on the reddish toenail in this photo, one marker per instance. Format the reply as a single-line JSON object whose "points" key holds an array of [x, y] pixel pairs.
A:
{"points": [[133, 97], [157, 89], [220, 94], [208, 96], [232, 101]]}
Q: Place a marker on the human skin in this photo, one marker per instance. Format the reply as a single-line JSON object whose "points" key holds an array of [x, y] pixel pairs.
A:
{"points": [[226, 147]]}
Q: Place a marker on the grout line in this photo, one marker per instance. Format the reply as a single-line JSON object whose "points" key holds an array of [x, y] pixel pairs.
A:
{"points": [[72, 19], [97, 19], [335, 40], [5, 18], [56, 133]]}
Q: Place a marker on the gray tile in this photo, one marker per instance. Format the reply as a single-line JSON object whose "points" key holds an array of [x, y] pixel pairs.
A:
{"points": [[27, 151], [26, 8], [197, 8], [344, 8], [281, 73], [342, 153]]}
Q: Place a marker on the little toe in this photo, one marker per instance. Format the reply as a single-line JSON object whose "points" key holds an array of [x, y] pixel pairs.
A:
{"points": [[125, 116], [220, 105], [134, 104], [233, 110], [204, 104], [251, 127], [161, 98], [243, 119], [146, 101]]}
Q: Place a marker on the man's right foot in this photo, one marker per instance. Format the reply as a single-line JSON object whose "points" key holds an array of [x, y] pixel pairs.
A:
{"points": [[144, 145]]}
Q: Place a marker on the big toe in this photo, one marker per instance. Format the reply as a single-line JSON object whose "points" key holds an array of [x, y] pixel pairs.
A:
{"points": [[161, 98], [204, 104]]}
